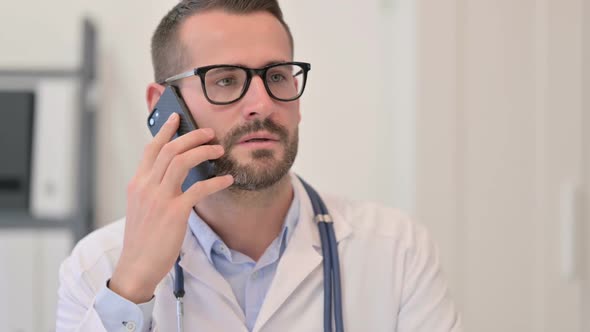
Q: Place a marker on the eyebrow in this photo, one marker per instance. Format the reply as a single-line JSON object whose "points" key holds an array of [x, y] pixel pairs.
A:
{"points": [[226, 69], [272, 62]]}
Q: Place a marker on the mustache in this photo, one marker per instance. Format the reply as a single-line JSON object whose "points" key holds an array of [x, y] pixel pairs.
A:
{"points": [[267, 124]]}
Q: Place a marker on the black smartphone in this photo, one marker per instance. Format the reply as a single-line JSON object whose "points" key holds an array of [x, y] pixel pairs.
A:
{"points": [[171, 102]]}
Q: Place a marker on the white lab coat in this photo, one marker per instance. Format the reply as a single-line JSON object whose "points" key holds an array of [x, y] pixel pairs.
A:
{"points": [[391, 279]]}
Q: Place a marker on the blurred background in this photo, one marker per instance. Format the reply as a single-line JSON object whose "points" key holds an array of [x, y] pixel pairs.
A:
{"points": [[472, 115]]}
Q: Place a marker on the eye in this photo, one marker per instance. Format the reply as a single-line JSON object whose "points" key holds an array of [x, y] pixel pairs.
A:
{"points": [[276, 77], [226, 81]]}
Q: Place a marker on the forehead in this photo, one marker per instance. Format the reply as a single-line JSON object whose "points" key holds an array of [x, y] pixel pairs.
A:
{"points": [[218, 37]]}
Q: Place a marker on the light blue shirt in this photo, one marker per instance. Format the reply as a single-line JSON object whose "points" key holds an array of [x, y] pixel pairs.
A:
{"points": [[248, 279]]}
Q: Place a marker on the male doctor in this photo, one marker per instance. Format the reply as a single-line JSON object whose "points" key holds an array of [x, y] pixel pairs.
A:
{"points": [[247, 239]]}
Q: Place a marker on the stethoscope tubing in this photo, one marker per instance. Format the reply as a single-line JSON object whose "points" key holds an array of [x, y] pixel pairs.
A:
{"points": [[322, 226], [337, 287], [331, 261]]}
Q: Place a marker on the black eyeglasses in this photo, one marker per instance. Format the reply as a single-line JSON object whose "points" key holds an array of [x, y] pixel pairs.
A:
{"points": [[226, 84]]}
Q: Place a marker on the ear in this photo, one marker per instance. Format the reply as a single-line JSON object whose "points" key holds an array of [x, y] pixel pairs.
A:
{"points": [[153, 93]]}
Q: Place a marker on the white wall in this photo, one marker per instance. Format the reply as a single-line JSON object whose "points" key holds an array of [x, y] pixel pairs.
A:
{"points": [[499, 133], [586, 162]]}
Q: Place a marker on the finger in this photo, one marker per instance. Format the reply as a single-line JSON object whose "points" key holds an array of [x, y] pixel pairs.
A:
{"points": [[176, 147], [153, 148], [182, 163], [204, 188]]}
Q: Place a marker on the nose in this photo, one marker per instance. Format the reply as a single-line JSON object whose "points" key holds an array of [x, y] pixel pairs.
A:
{"points": [[257, 103]]}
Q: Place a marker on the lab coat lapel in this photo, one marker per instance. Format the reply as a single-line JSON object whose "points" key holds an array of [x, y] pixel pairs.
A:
{"points": [[301, 257], [195, 264]]}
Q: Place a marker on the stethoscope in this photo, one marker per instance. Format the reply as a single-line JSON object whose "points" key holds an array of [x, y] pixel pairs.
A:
{"points": [[332, 288]]}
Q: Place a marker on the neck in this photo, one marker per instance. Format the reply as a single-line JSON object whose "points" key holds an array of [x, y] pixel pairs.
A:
{"points": [[248, 221]]}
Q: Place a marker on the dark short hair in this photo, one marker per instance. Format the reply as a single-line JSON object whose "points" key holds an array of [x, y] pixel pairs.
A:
{"points": [[168, 54]]}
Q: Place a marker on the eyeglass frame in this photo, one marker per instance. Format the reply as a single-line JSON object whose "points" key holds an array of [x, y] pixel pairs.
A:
{"points": [[250, 72]]}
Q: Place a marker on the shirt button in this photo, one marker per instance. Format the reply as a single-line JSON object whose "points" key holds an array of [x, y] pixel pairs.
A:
{"points": [[255, 275], [130, 326]]}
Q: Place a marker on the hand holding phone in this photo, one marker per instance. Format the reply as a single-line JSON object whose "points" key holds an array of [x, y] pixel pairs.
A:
{"points": [[158, 208], [171, 102]]}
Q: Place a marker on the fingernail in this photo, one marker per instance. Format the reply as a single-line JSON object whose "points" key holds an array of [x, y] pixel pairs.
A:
{"points": [[172, 117], [209, 131]]}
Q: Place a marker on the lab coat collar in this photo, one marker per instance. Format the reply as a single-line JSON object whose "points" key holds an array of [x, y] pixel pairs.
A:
{"points": [[302, 256], [196, 264]]}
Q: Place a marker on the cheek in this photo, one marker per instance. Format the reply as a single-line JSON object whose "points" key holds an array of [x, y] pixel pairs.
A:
{"points": [[206, 115], [217, 122], [295, 113]]}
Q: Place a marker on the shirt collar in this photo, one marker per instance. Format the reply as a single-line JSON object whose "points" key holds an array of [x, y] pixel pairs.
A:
{"points": [[207, 238]]}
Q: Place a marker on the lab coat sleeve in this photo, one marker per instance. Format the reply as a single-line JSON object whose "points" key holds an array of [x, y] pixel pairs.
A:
{"points": [[77, 303], [426, 303]]}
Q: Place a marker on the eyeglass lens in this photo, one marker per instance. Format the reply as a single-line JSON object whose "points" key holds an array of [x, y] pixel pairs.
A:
{"points": [[226, 84]]}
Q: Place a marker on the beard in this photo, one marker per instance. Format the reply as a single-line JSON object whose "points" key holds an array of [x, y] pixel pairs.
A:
{"points": [[266, 168]]}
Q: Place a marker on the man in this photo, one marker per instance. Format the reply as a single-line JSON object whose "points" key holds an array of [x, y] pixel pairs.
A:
{"points": [[247, 240]]}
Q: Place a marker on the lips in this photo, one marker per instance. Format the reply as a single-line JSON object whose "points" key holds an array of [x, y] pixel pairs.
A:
{"points": [[259, 137]]}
